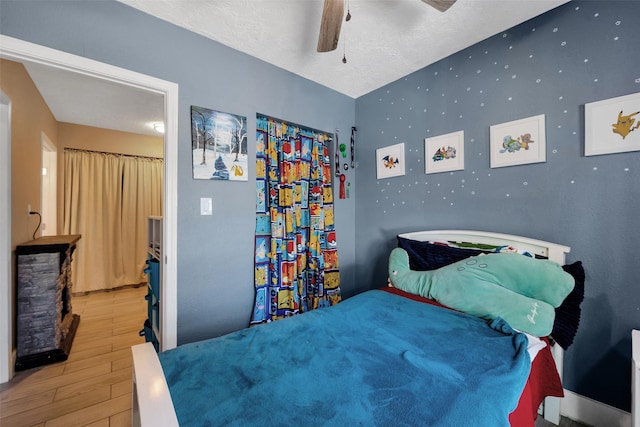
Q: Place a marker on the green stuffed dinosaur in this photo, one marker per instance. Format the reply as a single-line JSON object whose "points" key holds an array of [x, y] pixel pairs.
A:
{"points": [[523, 291]]}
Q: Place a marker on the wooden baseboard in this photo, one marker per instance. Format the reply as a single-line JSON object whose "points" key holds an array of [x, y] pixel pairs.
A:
{"points": [[592, 412]]}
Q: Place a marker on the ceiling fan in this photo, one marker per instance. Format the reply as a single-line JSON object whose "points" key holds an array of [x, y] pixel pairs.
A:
{"points": [[332, 21]]}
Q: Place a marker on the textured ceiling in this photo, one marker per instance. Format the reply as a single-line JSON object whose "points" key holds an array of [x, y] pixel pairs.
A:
{"points": [[384, 41]]}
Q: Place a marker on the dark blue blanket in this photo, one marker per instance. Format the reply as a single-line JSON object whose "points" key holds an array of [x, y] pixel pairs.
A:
{"points": [[374, 359]]}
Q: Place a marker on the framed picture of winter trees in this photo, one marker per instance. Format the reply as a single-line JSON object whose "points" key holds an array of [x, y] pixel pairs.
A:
{"points": [[219, 145]]}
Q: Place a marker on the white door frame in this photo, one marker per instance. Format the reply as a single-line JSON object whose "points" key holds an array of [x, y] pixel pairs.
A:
{"points": [[18, 50], [6, 297]]}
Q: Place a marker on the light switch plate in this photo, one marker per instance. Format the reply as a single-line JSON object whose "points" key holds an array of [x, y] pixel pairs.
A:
{"points": [[206, 206]]}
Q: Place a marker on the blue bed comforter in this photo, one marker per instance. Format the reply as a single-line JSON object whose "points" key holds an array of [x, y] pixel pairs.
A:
{"points": [[374, 359]]}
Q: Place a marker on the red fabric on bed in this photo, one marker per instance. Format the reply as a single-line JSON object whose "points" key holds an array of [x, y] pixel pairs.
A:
{"points": [[543, 379]]}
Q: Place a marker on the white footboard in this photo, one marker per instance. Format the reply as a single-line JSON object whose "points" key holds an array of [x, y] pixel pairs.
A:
{"points": [[152, 405], [635, 378]]}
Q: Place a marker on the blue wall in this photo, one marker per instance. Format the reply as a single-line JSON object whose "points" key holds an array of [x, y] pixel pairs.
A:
{"points": [[581, 52], [215, 261]]}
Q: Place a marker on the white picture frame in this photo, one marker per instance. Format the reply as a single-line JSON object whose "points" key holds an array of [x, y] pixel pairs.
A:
{"points": [[518, 142], [444, 153], [612, 125], [390, 161]]}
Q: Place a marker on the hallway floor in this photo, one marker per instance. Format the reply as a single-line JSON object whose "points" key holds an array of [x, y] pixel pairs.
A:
{"points": [[92, 387]]}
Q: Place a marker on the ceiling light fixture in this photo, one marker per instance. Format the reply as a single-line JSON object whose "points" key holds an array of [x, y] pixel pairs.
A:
{"points": [[159, 127]]}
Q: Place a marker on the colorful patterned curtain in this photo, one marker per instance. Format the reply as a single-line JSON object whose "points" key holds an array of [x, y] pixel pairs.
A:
{"points": [[296, 257]]}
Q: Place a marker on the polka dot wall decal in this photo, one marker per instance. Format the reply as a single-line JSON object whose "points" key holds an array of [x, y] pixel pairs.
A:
{"points": [[538, 80], [514, 76], [473, 192], [530, 56], [626, 169], [595, 168], [616, 38], [586, 60], [572, 182], [504, 35], [478, 71], [596, 15], [563, 44], [554, 151], [638, 80], [482, 104], [525, 183], [555, 30], [559, 71], [595, 80], [618, 22], [506, 67], [508, 195], [533, 30]]}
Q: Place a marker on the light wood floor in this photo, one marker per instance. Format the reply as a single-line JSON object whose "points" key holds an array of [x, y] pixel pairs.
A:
{"points": [[93, 387]]}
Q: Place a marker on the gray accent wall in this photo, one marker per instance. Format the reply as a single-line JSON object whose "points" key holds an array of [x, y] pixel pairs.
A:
{"points": [[581, 52], [215, 253]]}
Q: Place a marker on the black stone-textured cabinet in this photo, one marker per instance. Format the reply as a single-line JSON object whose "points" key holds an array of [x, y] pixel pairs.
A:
{"points": [[45, 324]]}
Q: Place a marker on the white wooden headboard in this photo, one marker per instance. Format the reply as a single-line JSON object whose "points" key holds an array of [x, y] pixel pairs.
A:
{"points": [[552, 251]]}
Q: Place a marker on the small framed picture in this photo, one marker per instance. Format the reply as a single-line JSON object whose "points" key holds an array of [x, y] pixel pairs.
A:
{"points": [[219, 145], [612, 125], [518, 142], [444, 153], [390, 161]]}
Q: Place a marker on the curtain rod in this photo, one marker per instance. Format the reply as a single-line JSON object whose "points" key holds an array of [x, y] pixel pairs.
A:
{"points": [[114, 154]]}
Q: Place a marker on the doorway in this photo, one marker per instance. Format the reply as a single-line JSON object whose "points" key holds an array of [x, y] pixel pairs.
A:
{"points": [[49, 187], [20, 51]]}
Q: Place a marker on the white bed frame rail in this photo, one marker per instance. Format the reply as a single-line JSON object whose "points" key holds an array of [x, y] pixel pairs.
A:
{"points": [[152, 404], [553, 251], [635, 378]]}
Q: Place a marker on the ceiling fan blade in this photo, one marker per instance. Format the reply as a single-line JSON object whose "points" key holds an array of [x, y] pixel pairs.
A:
{"points": [[441, 5], [330, 25]]}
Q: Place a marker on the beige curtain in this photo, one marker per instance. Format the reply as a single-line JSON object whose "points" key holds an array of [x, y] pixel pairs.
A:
{"points": [[107, 199]]}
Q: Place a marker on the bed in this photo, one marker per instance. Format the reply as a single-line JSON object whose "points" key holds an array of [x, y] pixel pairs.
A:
{"points": [[399, 359]]}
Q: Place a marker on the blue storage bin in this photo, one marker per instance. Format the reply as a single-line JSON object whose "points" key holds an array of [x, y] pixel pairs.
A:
{"points": [[153, 271]]}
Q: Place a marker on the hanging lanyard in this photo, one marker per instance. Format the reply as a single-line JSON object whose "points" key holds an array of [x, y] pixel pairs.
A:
{"points": [[337, 155], [353, 147]]}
